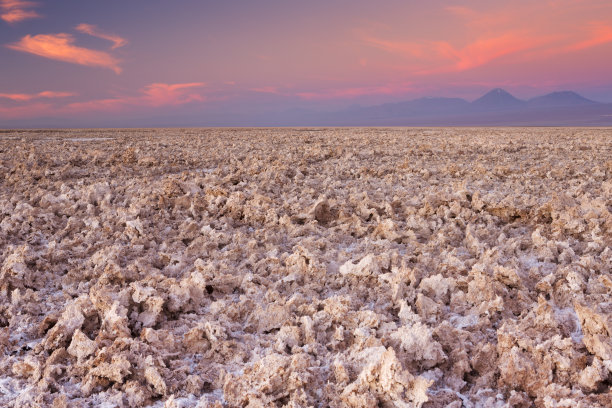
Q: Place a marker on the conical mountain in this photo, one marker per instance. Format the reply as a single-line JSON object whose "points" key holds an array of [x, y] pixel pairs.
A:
{"points": [[498, 99]]}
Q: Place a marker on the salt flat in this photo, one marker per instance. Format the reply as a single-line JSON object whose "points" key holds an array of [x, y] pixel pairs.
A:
{"points": [[361, 267]]}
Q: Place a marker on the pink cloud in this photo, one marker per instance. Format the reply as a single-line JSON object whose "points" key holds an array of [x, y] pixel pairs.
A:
{"points": [[352, 92], [267, 89], [61, 47], [339, 92], [485, 50], [600, 33], [448, 58], [28, 97], [15, 11], [26, 111], [502, 31], [399, 47], [436, 57], [94, 31], [153, 95], [484, 20], [175, 94]]}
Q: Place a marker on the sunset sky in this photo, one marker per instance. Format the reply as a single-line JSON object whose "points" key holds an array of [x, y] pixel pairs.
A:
{"points": [[87, 62]]}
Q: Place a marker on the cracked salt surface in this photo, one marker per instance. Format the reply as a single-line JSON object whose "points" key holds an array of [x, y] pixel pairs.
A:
{"points": [[7, 390], [89, 139], [341, 268]]}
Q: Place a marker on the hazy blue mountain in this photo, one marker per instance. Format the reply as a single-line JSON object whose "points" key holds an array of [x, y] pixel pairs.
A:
{"points": [[417, 107], [435, 105], [562, 98], [496, 100], [496, 107]]}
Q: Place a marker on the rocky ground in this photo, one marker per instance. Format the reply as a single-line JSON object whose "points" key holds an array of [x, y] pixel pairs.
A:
{"points": [[306, 268]]}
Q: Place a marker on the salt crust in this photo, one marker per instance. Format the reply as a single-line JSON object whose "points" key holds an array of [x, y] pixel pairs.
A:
{"points": [[306, 267]]}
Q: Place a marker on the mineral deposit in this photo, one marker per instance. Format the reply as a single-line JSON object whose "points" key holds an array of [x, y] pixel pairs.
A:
{"points": [[306, 268]]}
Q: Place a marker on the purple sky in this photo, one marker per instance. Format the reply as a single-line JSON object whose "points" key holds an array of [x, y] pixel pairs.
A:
{"points": [[98, 62]]}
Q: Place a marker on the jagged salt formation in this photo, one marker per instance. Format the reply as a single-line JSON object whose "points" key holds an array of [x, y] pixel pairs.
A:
{"points": [[306, 267]]}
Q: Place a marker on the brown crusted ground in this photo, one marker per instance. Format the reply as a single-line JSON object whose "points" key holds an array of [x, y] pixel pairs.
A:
{"points": [[306, 267]]}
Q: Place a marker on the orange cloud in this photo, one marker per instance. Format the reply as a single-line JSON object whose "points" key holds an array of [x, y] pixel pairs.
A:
{"points": [[29, 97], [14, 11], [447, 58], [502, 31], [600, 34], [485, 50], [436, 57], [559, 10], [94, 31], [61, 47]]}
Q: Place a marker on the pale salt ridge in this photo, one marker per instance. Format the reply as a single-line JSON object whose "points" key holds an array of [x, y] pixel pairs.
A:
{"points": [[409, 268]]}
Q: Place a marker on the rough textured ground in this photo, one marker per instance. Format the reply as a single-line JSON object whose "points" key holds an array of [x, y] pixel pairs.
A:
{"points": [[306, 267]]}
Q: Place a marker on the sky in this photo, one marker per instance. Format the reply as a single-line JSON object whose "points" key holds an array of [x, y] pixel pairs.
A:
{"points": [[93, 63]]}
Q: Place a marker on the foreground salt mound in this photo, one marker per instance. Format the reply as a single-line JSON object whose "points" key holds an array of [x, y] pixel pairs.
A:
{"points": [[383, 380], [306, 267]]}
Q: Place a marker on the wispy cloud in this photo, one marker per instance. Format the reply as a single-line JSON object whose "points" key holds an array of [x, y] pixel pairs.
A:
{"points": [[94, 31], [153, 95], [434, 57], [599, 33], [160, 94], [15, 11], [352, 92], [61, 47], [21, 97], [30, 110], [514, 33], [484, 50], [444, 57], [407, 48], [593, 34], [485, 20], [267, 89]]}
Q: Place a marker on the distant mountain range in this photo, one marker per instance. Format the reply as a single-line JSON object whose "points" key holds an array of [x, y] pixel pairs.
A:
{"points": [[496, 108], [563, 98]]}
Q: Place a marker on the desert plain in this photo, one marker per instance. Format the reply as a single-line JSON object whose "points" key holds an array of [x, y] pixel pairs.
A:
{"points": [[310, 267]]}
